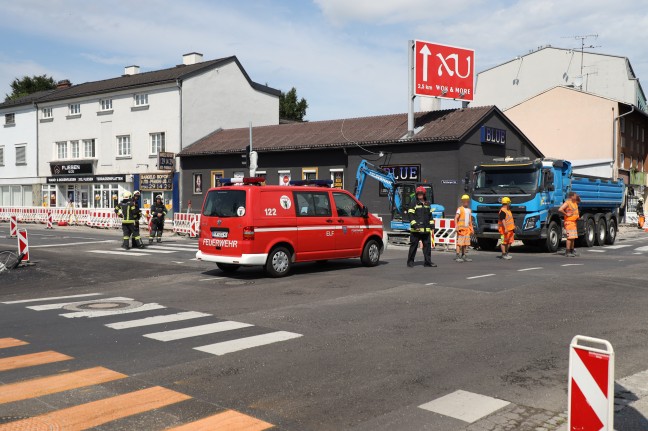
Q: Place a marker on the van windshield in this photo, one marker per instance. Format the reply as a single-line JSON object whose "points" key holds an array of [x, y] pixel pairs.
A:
{"points": [[225, 203]]}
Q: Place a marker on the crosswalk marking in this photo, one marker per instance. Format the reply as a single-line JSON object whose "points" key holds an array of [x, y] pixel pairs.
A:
{"points": [[65, 304], [57, 383], [596, 251], [229, 420], [99, 412], [644, 248], [616, 247], [11, 342], [51, 298], [32, 359], [155, 320], [174, 248], [195, 331], [148, 250], [225, 347], [103, 313], [122, 253], [175, 244]]}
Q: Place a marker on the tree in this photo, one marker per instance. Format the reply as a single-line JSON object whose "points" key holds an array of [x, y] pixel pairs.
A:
{"points": [[290, 108], [26, 85]]}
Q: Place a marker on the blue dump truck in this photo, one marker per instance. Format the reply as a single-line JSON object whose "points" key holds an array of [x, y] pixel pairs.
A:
{"points": [[537, 189]]}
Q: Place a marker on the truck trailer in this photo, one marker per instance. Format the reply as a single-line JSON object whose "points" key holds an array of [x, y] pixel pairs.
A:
{"points": [[537, 188]]}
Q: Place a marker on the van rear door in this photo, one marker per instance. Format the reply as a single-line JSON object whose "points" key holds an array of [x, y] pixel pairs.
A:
{"points": [[223, 219]]}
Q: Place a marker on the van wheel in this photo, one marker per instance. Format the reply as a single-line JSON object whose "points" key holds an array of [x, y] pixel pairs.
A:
{"points": [[601, 231], [371, 253], [611, 232], [279, 262], [227, 267]]}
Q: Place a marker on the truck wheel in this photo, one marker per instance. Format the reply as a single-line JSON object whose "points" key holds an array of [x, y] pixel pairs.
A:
{"points": [[611, 232], [588, 239], [487, 244], [371, 253], [227, 267], [554, 236], [279, 262], [601, 231]]}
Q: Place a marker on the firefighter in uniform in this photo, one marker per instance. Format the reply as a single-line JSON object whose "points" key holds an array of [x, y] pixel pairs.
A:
{"points": [[421, 228], [136, 202], [569, 210], [506, 227], [158, 212], [128, 212]]}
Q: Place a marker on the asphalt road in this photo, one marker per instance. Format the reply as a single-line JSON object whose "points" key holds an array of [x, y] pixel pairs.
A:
{"points": [[334, 346]]}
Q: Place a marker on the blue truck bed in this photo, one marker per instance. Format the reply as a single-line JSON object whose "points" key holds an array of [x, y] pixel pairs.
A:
{"points": [[598, 192]]}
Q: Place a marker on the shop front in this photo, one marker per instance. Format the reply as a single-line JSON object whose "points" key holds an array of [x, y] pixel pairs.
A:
{"points": [[151, 185], [84, 191]]}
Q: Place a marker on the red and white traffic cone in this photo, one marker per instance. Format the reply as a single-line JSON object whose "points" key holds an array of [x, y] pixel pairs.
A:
{"points": [[50, 220], [23, 244], [13, 226]]}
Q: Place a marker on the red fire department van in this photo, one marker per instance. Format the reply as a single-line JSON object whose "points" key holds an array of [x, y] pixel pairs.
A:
{"points": [[244, 223]]}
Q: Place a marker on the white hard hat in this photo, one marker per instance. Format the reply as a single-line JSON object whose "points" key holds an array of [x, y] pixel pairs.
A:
{"points": [[136, 192], [158, 197], [126, 195]]}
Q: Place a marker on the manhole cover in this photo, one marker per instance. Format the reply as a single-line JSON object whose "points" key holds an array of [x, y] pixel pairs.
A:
{"points": [[103, 305], [237, 282]]}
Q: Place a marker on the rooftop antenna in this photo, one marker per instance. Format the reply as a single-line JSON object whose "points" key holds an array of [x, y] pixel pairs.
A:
{"points": [[582, 39]]}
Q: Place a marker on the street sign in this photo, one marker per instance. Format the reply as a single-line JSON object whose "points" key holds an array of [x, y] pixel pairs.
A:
{"points": [[591, 385], [443, 71], [166, 161]]}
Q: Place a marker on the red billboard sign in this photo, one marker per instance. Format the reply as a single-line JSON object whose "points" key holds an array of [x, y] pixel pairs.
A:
{"points": [[443, 71]]}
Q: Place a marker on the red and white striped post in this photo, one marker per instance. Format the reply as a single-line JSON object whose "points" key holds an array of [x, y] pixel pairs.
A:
{"points": [[193, 226], [50, 220], [13, 226], [23, 244], [591, 385]]}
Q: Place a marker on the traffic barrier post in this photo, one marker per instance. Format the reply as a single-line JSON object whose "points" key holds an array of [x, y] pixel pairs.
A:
{"points": [[13, 226], [50, 220], [591, 385], [445, 231], [23, 244]]}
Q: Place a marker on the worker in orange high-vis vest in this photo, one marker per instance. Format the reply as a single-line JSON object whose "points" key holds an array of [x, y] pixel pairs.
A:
{"points": [[463, 221], [570, 212], [506, 227]]}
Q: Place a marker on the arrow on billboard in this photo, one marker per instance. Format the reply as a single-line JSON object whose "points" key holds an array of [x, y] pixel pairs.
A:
{"points": [[426, 53]]}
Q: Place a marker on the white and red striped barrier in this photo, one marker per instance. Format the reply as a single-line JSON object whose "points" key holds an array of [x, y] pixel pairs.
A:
{"points": [[445, 231], [13, 226], [50, 220], [23, 244], [591, 385], [186, 224]]}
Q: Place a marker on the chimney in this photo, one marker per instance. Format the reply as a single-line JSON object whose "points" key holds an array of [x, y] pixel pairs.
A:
{"points": [[131, 70], [65, 83], [191, 58]]}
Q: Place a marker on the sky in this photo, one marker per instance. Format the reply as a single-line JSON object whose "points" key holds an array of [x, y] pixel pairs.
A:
{"points": [[348, 58]]}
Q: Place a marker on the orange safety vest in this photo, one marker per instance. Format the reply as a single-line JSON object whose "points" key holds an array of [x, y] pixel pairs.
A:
{"points": [[464, 221], [508, 224], [572, 212]]}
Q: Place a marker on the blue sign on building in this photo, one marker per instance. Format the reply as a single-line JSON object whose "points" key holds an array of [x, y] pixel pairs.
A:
{"points": [[491, 135]]}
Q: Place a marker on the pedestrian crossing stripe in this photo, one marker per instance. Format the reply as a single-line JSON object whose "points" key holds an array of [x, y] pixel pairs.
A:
{"points": [[31, 359], [5, 343], [156, 320], [229, 420], [236, 345]]}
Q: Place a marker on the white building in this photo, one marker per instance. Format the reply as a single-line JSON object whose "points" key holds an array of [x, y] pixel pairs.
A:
{"points": [[515, 81], [98, 139], [18, 151]]}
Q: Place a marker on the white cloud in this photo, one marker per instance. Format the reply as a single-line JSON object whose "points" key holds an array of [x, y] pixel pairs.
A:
{"points": [[9, 70]]}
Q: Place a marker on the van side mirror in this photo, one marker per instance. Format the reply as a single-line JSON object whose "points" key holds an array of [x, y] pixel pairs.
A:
{"points": [[364, 212]]}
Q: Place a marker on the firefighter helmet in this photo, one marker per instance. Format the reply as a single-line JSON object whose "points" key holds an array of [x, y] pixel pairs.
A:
{"points": [[126, 195], [420, 189]]}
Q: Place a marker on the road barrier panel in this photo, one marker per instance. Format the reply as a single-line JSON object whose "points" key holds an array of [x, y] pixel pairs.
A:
{"points": [[186, 224], [13, 226], [23, 244], [50, 220], [591, 385], [445, 231]]}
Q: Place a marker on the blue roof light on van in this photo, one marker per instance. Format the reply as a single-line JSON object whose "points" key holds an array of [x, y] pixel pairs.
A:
{"points": [[317, 183], [239, 180]]}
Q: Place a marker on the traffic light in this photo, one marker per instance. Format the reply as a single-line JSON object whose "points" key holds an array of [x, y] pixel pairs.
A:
{"points": [[246, 157]]}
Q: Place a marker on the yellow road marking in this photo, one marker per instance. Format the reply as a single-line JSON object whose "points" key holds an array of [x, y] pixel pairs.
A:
{"points": [[11, 342], [228, 420], [93, 414], [58, 383], [40, 358]]}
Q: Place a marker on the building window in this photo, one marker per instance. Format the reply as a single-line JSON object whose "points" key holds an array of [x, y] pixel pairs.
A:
{"points": [[74, 149], [106, 104], [621, 160], [157, 143], [309, 174], [1, 156], [643, 135], [89, 148], [215, 177], [337, 176], [123, 146], [74, 109], [637, 131], [61, 150], [10, 119], [141, 99], [47, 112], [284, 178], [21, 154]]}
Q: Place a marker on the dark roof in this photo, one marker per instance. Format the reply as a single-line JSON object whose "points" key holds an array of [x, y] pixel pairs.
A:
{"points": [[445, 125], [146, 79], [26, 100]]}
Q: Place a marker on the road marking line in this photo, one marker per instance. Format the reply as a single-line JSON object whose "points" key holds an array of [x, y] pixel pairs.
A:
{"points": [[32, 359], [637, 253], [529, 269], [229, 420], [123, 253], [225, 347], [51, 298], [156, 320], [616, 247], [430, 284], [70, 243], [158, 247], [194, 259], [96, 413], [465, 406], [479, 276], [11, 342], [572, 264], [210, 279], [596, 251], [57, 383], [103, 313], [195, 331], [64, 304], [176, 261], [644, 248], [173, 244], [146, 250]]}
